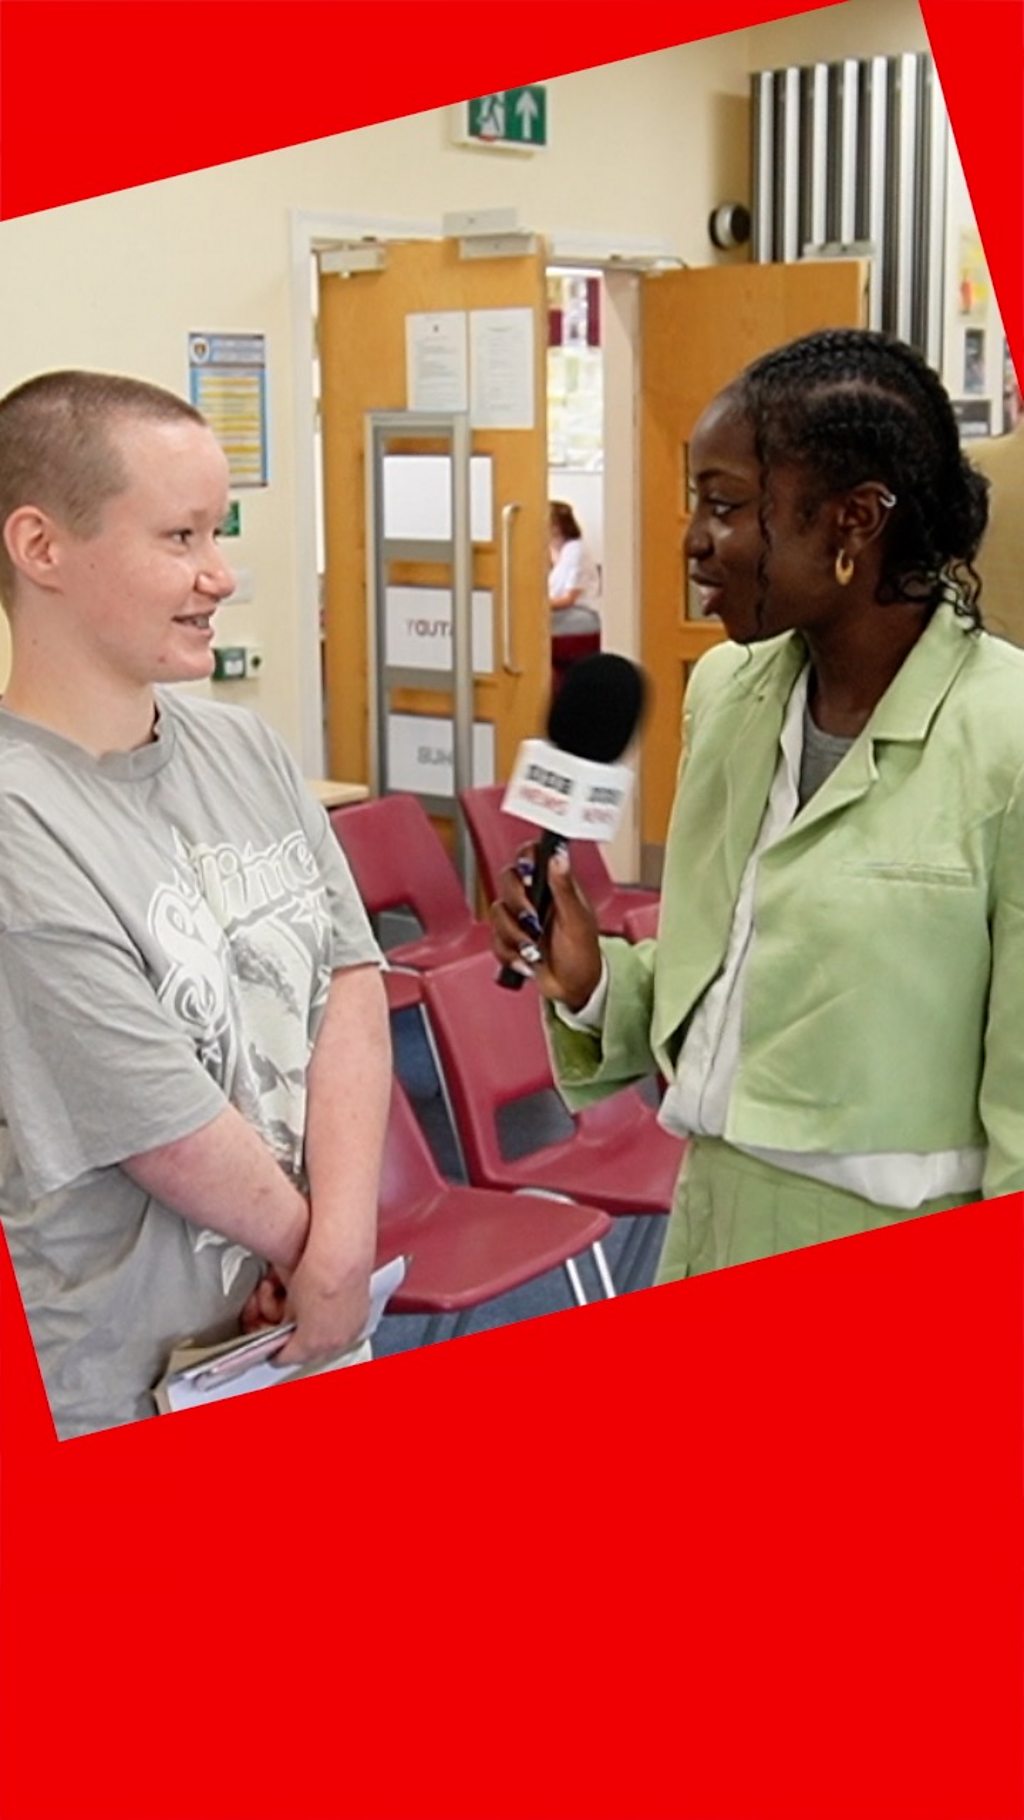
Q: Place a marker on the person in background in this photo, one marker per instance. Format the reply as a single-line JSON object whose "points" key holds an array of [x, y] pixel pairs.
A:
{"points": [[573, 582], [194, 1059], [1000, 561], [836, 994]]}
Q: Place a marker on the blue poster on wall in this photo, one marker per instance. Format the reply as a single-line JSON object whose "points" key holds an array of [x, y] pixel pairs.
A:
{"points": [[228, 384]]}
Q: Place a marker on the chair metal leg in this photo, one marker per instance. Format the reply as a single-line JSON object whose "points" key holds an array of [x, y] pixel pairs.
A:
{"points": [[574, 1282], [604, 1275], [442, 1082]]}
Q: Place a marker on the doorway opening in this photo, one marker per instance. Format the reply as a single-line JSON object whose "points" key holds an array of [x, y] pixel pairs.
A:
{"points": [[587, 344], [575, 419]]}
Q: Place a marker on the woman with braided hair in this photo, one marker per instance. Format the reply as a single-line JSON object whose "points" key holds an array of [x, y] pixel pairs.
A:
{"points": [[835, 995]]}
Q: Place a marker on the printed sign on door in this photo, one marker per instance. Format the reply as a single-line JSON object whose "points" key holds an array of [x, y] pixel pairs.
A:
{"points": [[420, 754], [419, 629]]}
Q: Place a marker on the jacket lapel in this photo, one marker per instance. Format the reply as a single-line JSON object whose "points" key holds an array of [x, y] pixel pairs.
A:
{"points": [[715, 824], [903, 716], [850, 780], [749, 764]]}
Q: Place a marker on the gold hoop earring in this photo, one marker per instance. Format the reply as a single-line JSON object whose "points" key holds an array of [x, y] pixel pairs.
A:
{"points": [[844, 569]]}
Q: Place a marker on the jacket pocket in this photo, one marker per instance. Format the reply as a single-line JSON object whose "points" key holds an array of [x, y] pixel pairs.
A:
{"points": [[910, 872]]}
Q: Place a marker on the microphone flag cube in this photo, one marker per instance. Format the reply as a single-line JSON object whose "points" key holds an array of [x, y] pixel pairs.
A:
{"points": [[569, 796]]}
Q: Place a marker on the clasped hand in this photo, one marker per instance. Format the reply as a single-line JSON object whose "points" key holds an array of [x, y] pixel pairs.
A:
{"points": [[329, 1306]]}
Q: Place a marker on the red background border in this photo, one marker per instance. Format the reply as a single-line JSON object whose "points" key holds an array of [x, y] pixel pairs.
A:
{"points": [[745, 1547]]}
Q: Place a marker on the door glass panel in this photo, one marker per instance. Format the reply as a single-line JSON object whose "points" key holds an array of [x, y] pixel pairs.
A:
{"points": [[420, 757], [418, 498], [418, 628]]}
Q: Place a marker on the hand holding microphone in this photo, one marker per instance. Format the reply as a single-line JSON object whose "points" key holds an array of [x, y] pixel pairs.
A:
{"points": [[570, 786], [568, 963]]}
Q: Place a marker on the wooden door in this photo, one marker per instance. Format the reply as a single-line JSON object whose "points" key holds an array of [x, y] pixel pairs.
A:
{"points": [[698, 330], [363, 368]]}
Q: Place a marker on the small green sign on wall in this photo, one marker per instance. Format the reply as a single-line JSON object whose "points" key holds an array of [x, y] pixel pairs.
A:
{"points": [[510, 119]]}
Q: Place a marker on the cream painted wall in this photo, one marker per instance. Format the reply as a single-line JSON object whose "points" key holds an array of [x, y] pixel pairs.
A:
{"points": [[642, 149], [859, 28]]}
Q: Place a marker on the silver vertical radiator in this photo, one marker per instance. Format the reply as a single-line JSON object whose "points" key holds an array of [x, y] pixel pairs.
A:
{"points": [[849, 161]]}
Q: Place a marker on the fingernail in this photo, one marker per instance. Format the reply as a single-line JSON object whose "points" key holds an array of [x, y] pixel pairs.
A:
{"points": [[518, 967], [559, 861], [530, 953], [524, 869], [530, 923]]}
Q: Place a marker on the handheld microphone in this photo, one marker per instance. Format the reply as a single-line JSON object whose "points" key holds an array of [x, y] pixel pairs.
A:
{"points": [[570, 785]]}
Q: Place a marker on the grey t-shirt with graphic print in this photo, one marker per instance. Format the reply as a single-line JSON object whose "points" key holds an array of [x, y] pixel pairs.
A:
{"points": [[169, 922]]}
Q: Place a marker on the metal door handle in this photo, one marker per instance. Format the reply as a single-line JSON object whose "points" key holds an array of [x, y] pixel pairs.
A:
{"points": [[508, 515]]}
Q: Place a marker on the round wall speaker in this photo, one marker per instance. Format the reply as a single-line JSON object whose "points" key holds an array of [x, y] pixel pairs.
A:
{"points": [[729, 225]]}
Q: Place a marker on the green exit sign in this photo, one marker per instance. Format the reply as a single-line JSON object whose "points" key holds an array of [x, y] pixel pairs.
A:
{"points": [[516, 117]]}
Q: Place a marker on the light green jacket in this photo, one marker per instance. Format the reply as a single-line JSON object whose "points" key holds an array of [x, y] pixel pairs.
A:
{"points": [[884, 996]]}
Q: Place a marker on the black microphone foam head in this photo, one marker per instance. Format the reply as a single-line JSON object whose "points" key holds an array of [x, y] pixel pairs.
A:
{"points": [[598, 708]]}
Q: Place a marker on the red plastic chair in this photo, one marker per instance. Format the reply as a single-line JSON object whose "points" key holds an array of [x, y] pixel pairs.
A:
{"points": [[640, 925], [405, 989], [468, 1245], [494, 1054], [397, 860], [497, 837], [566, 649]]}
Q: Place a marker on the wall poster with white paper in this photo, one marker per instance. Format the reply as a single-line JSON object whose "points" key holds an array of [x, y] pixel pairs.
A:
{"points": [[436, 361], [228, 383], [501, 369]]}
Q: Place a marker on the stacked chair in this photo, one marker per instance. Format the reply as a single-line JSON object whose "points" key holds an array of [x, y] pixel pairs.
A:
{"points": [[639, 925], [566, 649], [398, 862], [494, 1056], [467, 1245], [510, 1220]]}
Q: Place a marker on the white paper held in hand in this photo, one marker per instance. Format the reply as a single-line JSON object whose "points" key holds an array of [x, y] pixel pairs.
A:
{"points": [[246, 1364]]}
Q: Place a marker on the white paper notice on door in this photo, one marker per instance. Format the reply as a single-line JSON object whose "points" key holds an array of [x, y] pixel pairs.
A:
{"points": [[435, 362], [418, 626], [501, 369], [420, 754]]}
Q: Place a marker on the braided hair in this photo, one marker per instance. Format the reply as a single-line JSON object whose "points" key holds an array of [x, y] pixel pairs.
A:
{"points": [[850, 405]]}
